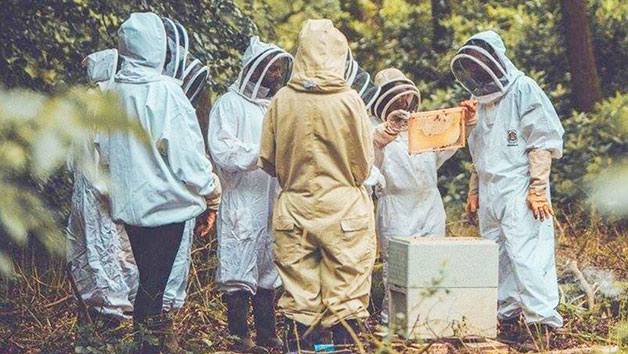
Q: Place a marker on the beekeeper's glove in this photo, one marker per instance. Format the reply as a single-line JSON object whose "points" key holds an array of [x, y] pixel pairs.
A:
{"points": [[388, 131], [540, 165], [473, 198], [471, 119]]}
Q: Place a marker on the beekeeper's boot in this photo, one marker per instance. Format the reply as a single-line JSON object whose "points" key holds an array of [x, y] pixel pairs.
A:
{"points": [[237, 315], [168, 339], [147, 340], [538, 338], [510, 330], [265, 322], [343, 339], [296, 341], [342, 336]]}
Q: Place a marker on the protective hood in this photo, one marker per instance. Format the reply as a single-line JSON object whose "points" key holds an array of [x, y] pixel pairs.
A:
{"points": [[101, 66], [194, 78], [360, 81], [394, 88], [483, 69], [320, 60], [177, 49], [180, 65], [142, 47], [258, 58]]}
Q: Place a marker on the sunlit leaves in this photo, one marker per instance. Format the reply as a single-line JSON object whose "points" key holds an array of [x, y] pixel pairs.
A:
{"points": [[38, 135], [45, 41], [610, 194]]}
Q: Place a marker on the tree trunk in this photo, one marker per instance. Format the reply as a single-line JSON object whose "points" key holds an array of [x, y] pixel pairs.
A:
{"points": [[441, 37], [586, 86]]}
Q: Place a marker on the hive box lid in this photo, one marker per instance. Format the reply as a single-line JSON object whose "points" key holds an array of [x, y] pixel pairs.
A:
{"points": [[443, 262]]}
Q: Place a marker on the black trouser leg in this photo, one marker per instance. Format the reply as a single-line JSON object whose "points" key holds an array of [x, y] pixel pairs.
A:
{"points": [[154, 249]]}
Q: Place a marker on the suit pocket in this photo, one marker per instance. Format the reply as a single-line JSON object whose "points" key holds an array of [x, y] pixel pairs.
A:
{"points": [[287, 246], [354, 224], [358, 241]]}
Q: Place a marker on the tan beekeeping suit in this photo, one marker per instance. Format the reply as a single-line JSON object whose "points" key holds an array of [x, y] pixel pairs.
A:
{"points": [[317, 140]]}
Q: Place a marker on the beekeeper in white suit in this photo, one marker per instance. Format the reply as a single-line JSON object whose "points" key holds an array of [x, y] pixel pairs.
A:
{"points": [[160, 184], [411, 191], [191, 75], [512, 147], [91, 270], [98, 250], [245, 257]]}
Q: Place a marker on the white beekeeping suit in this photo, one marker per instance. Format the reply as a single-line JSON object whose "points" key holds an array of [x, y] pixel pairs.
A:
{"points": [[516, 121], [410, 204], [101, 68], [234, 133], [98, 249], [192, 76], [244, 236], [173, 190], [160, 183]]}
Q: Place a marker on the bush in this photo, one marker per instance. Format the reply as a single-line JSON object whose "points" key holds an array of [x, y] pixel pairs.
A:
{"points": [[593, 143], [45, 41]]}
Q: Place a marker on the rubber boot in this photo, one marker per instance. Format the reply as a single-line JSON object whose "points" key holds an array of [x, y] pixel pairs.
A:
{"points": [[296, 340], [265, 322], [341, 335], [147, 339], [168, 339], [538, 338], [510, 330], [237, 314], [343, 341]]}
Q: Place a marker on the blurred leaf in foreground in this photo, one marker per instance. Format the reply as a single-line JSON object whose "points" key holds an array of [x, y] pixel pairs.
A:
{"points": [[38, 134]]}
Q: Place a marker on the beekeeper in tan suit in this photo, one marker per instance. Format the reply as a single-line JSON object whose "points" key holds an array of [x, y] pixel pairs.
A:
{"points": [[317, 140]]}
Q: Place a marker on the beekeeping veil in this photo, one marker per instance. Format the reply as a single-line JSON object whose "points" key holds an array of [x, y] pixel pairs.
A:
{"points": [[176, 49], [483, 69], [360, 81], [265, 69], [195, 78], [396, 92]]}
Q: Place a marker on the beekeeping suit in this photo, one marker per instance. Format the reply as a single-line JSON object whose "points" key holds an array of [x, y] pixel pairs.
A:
{"points": [[317, 140], [101, 68], [235, 128], [162, 181], [246, 267], [98, 250], [192, 76], [517, 136], [410, 204], [148, 191]]}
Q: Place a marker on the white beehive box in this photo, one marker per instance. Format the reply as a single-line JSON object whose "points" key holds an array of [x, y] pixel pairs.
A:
{"points": [[443, 287]]}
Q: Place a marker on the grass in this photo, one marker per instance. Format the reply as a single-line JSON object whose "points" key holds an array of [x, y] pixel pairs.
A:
{"points": [[38, 313]]}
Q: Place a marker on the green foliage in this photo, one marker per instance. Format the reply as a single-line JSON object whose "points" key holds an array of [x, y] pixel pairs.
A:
{"points": [[37, 134], [610, 39], [594, 142], [399, 33], [45, 41]]}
